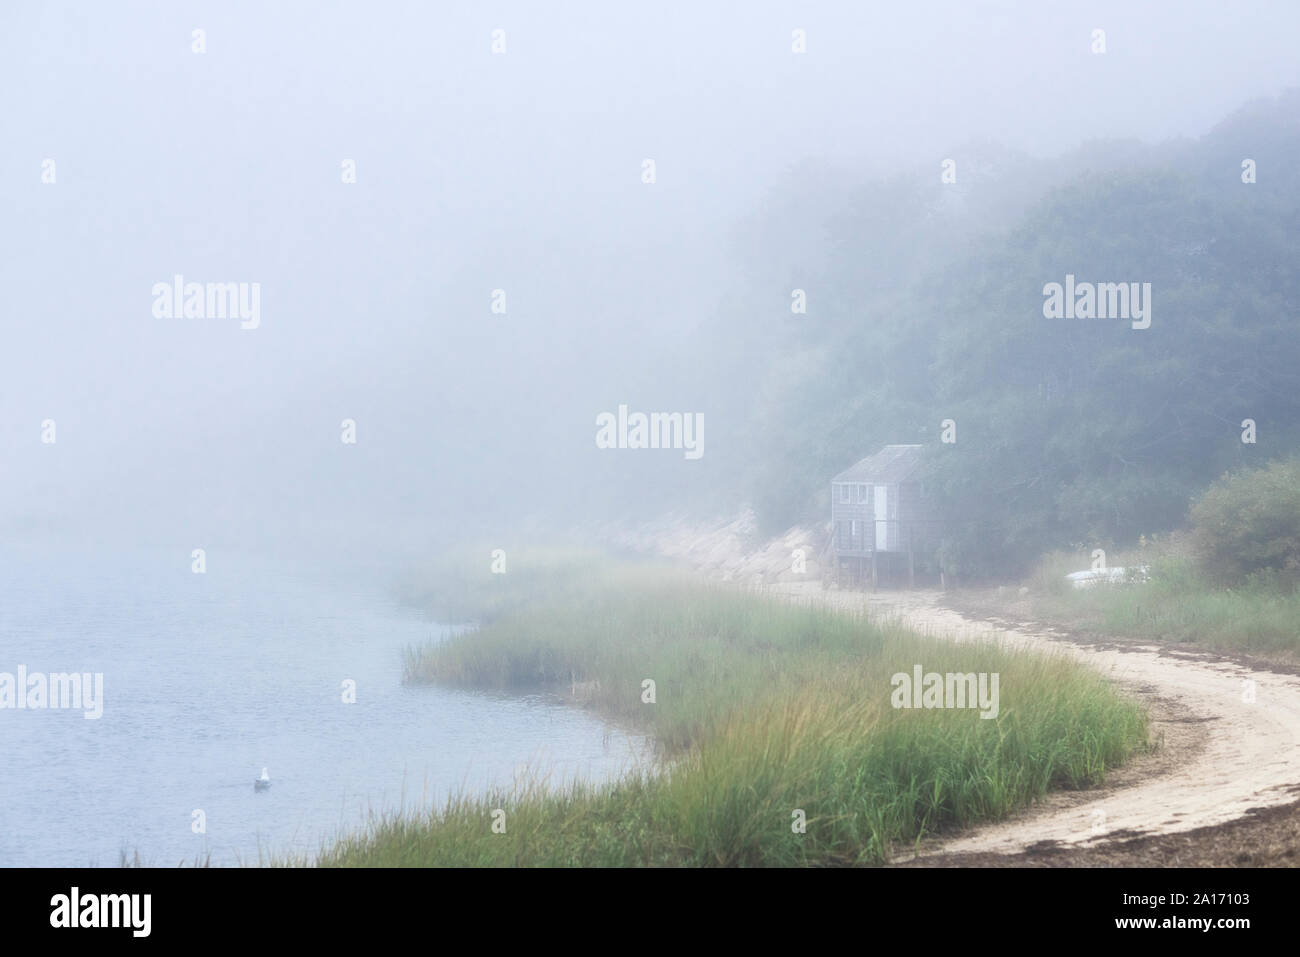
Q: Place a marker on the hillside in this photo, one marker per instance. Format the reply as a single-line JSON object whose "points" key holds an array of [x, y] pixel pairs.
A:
{"points": [[927, 304]]}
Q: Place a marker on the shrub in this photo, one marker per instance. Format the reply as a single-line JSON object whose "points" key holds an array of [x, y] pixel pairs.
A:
{"points": [[1248, 522]]}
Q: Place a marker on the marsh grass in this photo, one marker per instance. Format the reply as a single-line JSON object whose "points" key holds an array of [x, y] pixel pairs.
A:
{"points": [[1180, 603], [763, 708], [462, 587]]}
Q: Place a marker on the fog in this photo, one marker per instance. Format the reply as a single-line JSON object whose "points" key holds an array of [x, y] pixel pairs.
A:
{"points": [[478, 171]]}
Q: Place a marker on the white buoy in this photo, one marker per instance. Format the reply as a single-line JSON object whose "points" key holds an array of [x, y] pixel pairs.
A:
{"points": [[263, 783]]}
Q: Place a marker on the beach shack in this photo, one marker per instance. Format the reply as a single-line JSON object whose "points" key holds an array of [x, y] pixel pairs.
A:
{"points": [[882, 521]]}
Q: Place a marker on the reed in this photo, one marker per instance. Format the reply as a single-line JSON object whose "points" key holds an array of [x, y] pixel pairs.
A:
{"points": [[764, 711], [1180, 603]]}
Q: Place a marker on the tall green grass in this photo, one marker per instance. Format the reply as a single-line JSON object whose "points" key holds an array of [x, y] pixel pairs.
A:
{"points": [[462, 586], [763, 709], [1179, 603]]}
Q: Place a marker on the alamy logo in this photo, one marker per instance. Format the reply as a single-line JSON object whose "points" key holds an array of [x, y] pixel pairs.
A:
{"points": [[1105, 300], [933, 690], [102, 910], [213, 300], [58, 690], [657, 430]]}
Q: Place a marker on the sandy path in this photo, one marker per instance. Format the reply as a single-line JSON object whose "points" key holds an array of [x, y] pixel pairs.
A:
{"points": [[1250, 753]]}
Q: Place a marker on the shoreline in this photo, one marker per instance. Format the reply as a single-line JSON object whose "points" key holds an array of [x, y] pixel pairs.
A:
{"points": [[1227, 763], [763, 705]]}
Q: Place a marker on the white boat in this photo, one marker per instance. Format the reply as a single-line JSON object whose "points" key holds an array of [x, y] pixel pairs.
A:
{"points": [[263, 783], [1097, 576]]}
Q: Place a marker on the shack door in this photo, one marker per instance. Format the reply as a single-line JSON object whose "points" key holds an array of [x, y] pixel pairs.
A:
{"points": [[881, 499]]}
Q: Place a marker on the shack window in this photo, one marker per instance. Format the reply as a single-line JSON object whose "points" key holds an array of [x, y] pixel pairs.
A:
{"points": [[862, 494], [844, 494]]}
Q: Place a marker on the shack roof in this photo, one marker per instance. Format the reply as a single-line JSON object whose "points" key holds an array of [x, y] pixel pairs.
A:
{"points": [[889, 466]]}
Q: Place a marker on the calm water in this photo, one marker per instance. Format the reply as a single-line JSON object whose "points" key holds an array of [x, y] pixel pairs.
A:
{"points": [[208, 678]]}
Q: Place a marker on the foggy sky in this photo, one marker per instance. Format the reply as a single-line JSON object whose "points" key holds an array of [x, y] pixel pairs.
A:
{"points": [[474, 172]]}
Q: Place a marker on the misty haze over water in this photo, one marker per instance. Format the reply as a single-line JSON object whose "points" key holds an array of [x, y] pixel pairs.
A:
{"points": [[476, 172], [209, 678]]}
